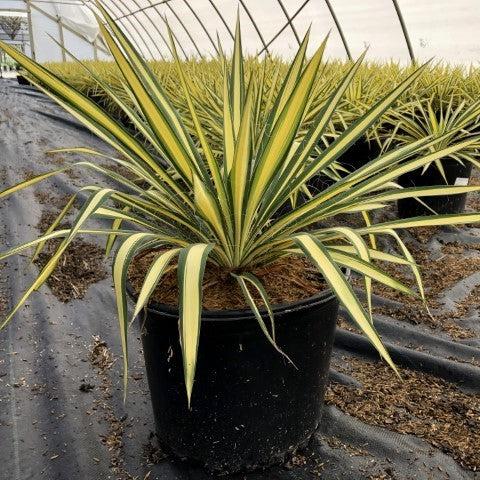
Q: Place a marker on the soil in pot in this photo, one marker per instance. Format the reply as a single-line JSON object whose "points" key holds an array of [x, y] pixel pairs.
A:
{"points": [[456, 174], [250, 407]]}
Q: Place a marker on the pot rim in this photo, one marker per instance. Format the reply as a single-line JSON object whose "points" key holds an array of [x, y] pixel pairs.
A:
{"points": [[318, 299]]}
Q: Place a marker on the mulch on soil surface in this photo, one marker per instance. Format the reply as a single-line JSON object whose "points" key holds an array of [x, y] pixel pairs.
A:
{"points": [[81, 265], [456, 262], [286, 280], [419, 404], [438, 274], [46, 198], [416, 314]]}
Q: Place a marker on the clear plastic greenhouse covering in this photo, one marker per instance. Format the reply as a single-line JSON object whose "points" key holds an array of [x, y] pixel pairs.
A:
{"points": [[398, 30], [51, 24]]}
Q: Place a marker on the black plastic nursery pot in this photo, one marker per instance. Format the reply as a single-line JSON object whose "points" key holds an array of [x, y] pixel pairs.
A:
{"points": [[250, 407], [359, 153], [356, 156], [23, 80], [456, 174]]}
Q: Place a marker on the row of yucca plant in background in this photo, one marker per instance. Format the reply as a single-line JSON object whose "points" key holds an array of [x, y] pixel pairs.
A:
{"points": [[441, 102], [441, 91]]}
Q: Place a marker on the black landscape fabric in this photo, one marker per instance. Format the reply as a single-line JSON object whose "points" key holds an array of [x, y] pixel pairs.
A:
{"points": [[61, 409]]}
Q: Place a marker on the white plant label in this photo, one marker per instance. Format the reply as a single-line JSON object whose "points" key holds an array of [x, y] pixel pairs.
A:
{"points": [[461, 181]]}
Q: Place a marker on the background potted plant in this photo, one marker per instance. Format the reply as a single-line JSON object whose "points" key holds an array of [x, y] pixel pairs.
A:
{"points": [[199, 218], [453, 119]]}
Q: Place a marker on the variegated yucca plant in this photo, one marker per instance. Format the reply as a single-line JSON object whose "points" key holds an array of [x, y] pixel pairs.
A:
{"points": [[197, 208], [447, 118]]}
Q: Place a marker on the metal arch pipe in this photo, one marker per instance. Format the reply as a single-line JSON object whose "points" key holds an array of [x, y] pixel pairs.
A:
{"points": [[302, 6], [147, 31], [222, 19], [254, 23], [404, 30], [339, 28], [157, 11], [130, 22], [199, 20], [162, 56], [285, 12], [151, 5], [186, 29], [154, 6], [30, 30]]}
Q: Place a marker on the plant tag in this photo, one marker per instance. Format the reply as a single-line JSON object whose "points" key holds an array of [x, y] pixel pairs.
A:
{"points": [[461, 181]]}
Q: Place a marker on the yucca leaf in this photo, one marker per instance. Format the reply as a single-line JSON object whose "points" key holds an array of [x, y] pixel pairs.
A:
{"points": [[155, 104], [284, 131], [55, 224], [414, 267], [191, 266], [116, 224], [129, 248], [413, 192], [425, 221], [208, 208], [237, 80], [360, 126], [211, 161], [313, 210], [241, 168], [363, 252], [374, 254], [291, 79], [60, 234], [82, 108], [302, 154], [229, 135], [367, 269], [242, 280], [368, 222], [133, 116], [30, 182], [320, 257], [87, 210], [153, 277]]}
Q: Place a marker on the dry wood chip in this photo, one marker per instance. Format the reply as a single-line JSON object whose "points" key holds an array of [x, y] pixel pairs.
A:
{"points": [[420, 404]]}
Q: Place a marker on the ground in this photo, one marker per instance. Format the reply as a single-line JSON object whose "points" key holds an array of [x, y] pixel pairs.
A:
{"points": [[61, 409]]}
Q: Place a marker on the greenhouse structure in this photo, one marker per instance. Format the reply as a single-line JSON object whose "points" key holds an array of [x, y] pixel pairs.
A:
{"points": [[240, 239]]}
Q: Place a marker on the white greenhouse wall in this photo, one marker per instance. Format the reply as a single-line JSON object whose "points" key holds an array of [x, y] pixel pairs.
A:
{"points": [[43, 28]]}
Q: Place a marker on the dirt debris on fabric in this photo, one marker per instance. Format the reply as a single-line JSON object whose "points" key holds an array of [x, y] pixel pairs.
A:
{"points": [[417, 404], [80, 266]]}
